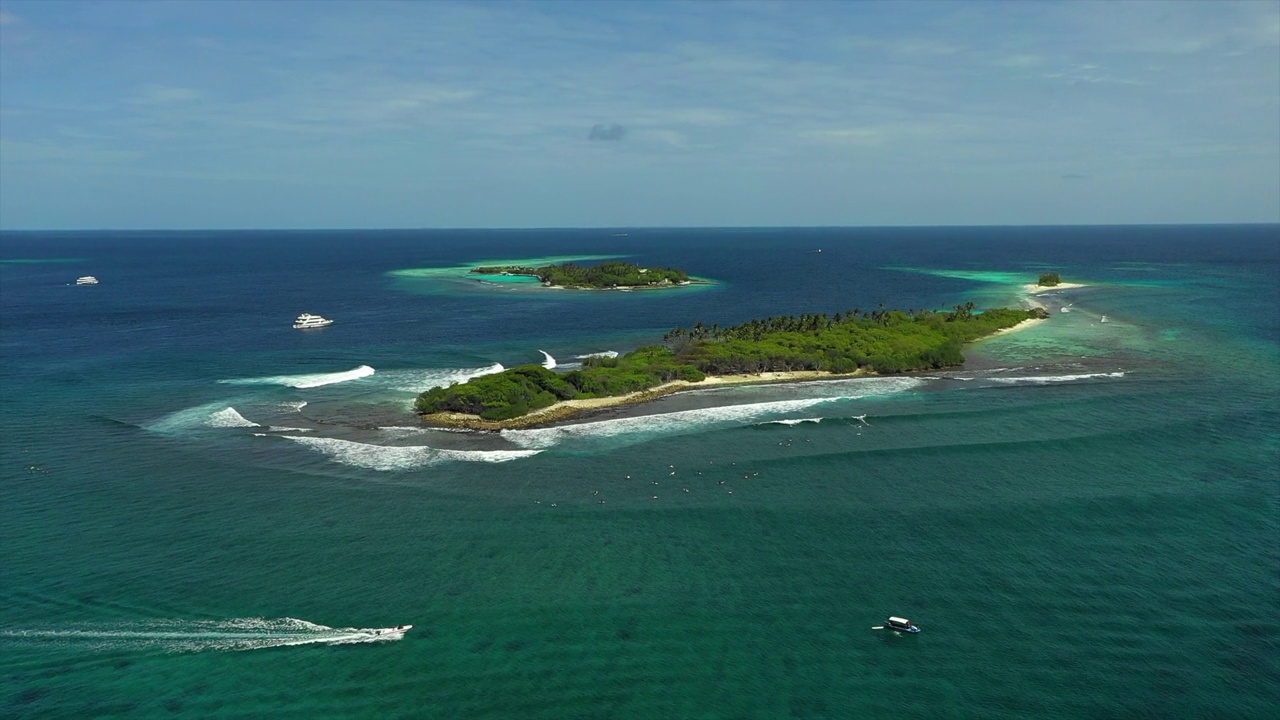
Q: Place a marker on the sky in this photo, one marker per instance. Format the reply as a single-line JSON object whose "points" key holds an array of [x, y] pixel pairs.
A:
{"points": [[189, 115]]}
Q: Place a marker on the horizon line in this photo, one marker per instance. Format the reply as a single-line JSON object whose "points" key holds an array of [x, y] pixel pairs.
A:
{"points": [[631, 227]]}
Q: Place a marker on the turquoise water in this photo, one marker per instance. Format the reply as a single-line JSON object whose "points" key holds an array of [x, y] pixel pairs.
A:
{"points": [[205, 512]]}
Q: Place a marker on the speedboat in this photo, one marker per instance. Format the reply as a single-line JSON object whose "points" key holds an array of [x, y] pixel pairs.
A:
{"points": [[402, 628], [87, 280], [307, 320], [901, 625]]}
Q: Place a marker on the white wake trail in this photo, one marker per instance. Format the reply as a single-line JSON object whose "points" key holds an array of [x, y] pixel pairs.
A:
{"points": [[234, 634]]}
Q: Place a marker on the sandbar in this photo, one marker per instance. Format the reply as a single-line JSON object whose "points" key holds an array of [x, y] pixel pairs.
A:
{"points": [[1035, 289]]}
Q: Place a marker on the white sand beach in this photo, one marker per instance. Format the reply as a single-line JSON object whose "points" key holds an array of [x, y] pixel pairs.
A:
{"points": [[1034, 289]]}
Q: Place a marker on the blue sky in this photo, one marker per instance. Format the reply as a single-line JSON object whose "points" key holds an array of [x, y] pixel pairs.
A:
{"points": [[610, 114]]}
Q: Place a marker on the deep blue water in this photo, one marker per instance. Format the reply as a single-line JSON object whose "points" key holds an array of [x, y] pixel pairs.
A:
{"points": [[204, 511]]}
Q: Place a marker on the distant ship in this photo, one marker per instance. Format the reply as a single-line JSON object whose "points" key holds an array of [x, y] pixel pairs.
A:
{"points": [[87, 280], [306, 321]]}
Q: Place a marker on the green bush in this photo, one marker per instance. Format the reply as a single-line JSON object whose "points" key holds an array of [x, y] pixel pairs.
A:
{"points": [[884, 341]]}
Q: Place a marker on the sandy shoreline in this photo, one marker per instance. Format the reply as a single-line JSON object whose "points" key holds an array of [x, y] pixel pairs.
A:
{"points": [[1034, 289], [569, 409], [1028, 323]]}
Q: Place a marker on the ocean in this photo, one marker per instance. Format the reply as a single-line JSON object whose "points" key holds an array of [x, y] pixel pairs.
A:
{"points": [[206, 512]]}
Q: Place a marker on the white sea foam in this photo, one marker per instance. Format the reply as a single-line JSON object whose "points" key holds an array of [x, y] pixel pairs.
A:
{"points": [[310, 380], [209, 415], [294, 405], [228, 418], [390, 458], [1045, 379], [202, 635], [423, 379], [702, 418], [605, 354], [792, 421], [548, 363], [192, 418]]}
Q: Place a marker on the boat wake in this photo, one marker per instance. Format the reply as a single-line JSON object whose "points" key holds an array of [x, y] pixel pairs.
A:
{"points": [[312, 380], [181, 636]]}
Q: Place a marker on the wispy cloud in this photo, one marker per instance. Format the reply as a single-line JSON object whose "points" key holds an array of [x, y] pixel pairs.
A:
{"points": [[613, 132], [165, 95]]}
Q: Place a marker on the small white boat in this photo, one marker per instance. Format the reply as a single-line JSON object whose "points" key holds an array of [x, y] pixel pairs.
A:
{"points": [[899, 624], [307, 320], [87, 280]]}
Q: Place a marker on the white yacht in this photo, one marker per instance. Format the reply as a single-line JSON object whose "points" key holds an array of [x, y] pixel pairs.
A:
{"points": [[307, 320], [87, 280]]}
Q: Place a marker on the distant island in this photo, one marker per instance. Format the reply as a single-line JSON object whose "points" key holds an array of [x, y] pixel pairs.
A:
{"points": [[770, 349], [605, 276], [1050, 281]]}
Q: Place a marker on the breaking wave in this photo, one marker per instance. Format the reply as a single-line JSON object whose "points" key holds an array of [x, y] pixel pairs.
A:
{"points": [[792, 421], [416, 381], [549, 362], [210, 415], [228, 417], [1045, 379], [312, 380], [202, 635], [702, 418], [605, 354], [390, 458]]}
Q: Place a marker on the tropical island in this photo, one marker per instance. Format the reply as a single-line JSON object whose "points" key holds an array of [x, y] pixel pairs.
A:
{"points": [[777, 348], [605, 276], [1050, 281]]}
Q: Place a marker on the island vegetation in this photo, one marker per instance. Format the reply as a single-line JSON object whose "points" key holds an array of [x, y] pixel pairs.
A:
{"points": [[1050, 279], [612, 274], [880, 341]]}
